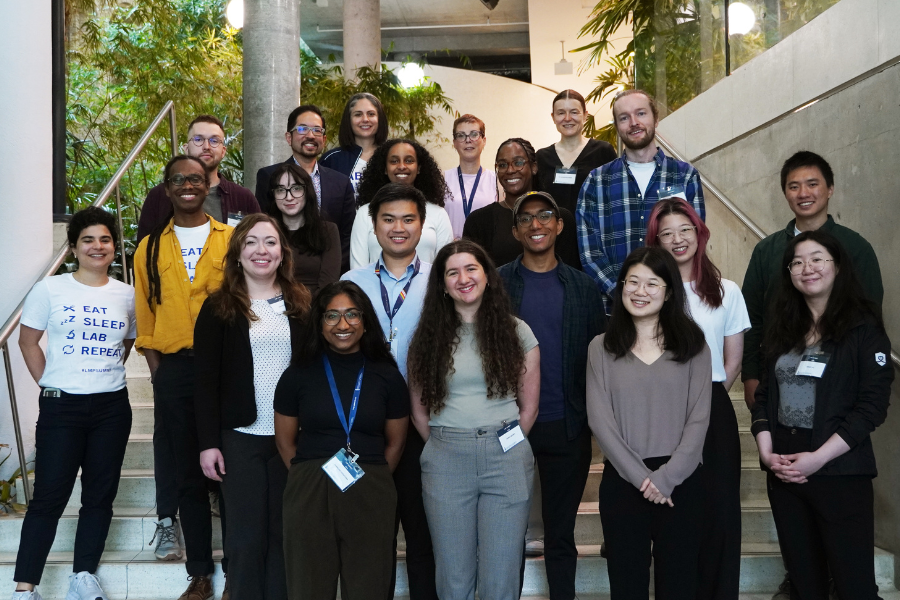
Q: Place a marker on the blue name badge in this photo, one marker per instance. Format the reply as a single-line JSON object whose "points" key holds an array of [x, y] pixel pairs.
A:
{"points": [[673, 191], [510, 435], [343, 470]]}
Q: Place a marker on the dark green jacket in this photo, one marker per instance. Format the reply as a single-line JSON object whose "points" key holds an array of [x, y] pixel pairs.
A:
{"points": [[764, 273]]}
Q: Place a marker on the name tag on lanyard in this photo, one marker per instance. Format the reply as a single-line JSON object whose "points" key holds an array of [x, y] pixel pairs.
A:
{"points": [[510, 435], [565, 176], [342, 467], [234, 219]]}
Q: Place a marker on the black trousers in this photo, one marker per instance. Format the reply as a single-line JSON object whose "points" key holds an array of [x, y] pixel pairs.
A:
{"points": [[720, 548], [826, 524], [563, 467], [253, 486], [75, 431], [173, 389], [632, 525], [411, 512]]}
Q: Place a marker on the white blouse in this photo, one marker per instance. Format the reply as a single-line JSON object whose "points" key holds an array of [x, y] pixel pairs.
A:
{"points": [[437, 232]]}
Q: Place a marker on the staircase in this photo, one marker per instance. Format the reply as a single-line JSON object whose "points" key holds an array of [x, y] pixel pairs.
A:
{"points": [[129, 569]]}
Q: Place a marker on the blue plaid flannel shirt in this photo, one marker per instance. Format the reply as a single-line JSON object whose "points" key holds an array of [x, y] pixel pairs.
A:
{"points": [[612, 215]]}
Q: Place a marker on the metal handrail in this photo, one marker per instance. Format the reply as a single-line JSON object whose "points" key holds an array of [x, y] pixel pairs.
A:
{"points": [[743, 218], [111, 187]]}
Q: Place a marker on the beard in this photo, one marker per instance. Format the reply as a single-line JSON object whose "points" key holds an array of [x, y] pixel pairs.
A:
{"points": [[649, 135]]}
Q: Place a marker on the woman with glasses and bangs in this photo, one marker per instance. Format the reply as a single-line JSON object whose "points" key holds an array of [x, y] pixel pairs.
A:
{"points": [[718, 307], [341, 415], [315, 242], [826, 387], [649, 380]]}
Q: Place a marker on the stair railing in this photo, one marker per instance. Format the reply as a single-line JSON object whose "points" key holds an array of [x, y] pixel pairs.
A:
{"points": [[741, 216], [112, 187]]}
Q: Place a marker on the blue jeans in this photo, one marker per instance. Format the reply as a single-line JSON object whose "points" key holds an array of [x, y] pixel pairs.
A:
{"points": [[75, 431], [477, 499]]}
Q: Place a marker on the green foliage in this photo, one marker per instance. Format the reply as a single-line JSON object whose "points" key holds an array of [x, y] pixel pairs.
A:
{"points": [[8, 498]]}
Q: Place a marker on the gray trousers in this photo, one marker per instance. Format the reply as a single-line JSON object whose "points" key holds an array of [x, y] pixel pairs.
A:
{"points": [[477, 499]]}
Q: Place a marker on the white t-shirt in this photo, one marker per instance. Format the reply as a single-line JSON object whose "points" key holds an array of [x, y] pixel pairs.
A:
{"points": [[358, 167], [729, 319], [484, 195], [191, 240], [642, 173], [85, 329], [364, 248]]}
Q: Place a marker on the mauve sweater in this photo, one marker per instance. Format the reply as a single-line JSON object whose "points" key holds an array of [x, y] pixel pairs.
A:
{"points": [[638, 411]]}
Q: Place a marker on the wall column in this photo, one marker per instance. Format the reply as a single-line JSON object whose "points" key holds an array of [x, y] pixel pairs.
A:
{"points": [[362, 35], [271, 80]]}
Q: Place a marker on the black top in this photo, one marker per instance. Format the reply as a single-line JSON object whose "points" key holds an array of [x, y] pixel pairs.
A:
{"points": [[224, 396], [491, 227], [315, 271], [595, 154], [303, 392]]}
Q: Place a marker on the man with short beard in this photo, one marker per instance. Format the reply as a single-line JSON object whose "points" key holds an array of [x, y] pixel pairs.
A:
{"points": [[615, 202]]}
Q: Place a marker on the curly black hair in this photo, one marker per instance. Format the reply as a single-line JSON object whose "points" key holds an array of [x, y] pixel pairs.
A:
{"points": [[429, 181], [88, 217]]}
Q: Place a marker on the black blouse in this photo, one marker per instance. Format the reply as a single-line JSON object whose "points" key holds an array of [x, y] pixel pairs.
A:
{"points": [[595, 154]]}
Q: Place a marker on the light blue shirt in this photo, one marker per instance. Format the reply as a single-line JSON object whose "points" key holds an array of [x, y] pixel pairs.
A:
{"points": [[407, 318]]}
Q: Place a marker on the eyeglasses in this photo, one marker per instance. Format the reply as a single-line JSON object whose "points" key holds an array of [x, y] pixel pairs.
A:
{"points": [[543, 217], [518, 163], [214, 141], [688, 232], [472, 135], [816, 265], [303, 130], [179, 179], [651, 287], [280, 192], [333, 317]]}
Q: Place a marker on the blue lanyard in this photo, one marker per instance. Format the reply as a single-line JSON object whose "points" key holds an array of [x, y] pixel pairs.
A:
{"points": [[467, 205], [354, 404], [384, 293]]}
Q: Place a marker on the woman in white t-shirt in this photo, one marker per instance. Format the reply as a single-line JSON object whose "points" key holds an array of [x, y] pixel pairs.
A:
{"points": [[408, 163], [717, 306], [85, 417]]}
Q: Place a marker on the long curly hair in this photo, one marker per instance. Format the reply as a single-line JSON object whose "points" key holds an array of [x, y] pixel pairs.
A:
{"points": [[437, 336], [707, 279], [232, 298], [429, 181], [789, 319], [313, 235]]}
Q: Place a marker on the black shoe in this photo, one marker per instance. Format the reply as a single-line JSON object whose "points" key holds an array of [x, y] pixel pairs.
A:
{"points": [[784, 590]]}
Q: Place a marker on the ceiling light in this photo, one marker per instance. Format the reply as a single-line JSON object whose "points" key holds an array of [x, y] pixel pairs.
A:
{"points": [[235, 13], [411, 75], [741, 19]]}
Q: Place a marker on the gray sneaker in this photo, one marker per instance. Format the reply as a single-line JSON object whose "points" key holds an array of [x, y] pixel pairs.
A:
{"points": [[168, 546], [784, 590], [84, 586], [32, 595]]}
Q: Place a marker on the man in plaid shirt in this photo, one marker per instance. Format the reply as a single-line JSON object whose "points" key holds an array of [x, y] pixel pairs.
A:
{"points": [[615, 201]]}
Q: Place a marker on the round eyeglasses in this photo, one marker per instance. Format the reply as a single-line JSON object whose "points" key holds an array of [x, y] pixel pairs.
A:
{"points": [[214, 141], [472, 135], [651, 287], [280, 192], [688, 232], [333, 317], [816, 265]]}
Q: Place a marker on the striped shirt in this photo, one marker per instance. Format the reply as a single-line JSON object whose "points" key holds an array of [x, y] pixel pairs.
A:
{"points": [[612, 213]]}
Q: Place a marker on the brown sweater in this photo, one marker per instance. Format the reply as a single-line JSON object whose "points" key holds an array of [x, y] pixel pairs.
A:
{"points": [[638, 411]]}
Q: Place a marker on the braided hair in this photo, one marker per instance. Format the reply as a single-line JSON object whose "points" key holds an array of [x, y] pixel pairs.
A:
{"points": [[529, 153], [153, 240]]}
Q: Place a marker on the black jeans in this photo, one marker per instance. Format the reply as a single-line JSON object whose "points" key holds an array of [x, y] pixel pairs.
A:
{"points": [[632, 525], [563, 467], [411, 512], [826, 524], [720, 549], [173, 389], [253, 487], [75, 431]]}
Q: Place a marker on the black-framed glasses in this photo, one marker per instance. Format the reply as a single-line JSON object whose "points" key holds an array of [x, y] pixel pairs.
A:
{"points": [[214, 141], [193, 179], [280, 192], [816, 265], [472, 135], [333, 317], [303, 130], [518, 163], [688, 232], [543, 217]]}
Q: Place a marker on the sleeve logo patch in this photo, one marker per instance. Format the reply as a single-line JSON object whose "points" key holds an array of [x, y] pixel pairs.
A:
{"points": [[880, 358]]}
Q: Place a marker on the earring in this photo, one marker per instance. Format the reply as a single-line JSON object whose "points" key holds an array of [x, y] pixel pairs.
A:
{"points": [[240, 266]]}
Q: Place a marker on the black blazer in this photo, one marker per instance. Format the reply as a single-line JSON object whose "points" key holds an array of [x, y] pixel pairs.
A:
{"points": [[338, 202], [224, 396], [852, 398]]}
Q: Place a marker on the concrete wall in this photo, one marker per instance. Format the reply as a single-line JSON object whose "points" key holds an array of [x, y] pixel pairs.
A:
{"points": [[857, 130], [26, 218]]}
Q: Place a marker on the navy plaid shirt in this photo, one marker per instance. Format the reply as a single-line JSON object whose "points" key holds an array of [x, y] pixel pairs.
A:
{"points": [[612, 214]]}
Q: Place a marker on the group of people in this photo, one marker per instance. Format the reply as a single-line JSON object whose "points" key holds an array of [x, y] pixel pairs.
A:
{"points": [[371, 342]]}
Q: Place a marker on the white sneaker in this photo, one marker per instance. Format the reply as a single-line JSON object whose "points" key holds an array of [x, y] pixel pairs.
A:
{"points": [[33, 595], [534, 547], [168, 547], [84, 586]]}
